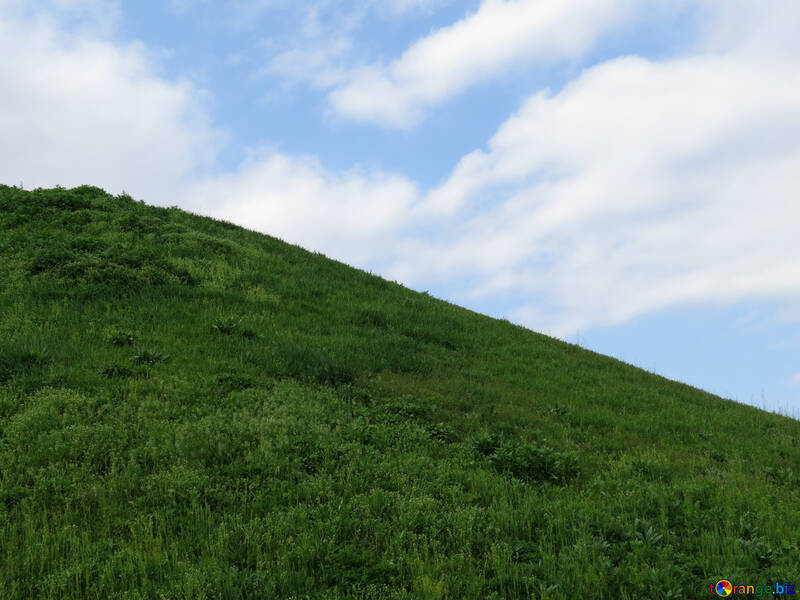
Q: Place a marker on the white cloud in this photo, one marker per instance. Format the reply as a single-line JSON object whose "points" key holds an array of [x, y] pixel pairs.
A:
{"points": [[498, 35], [316, 61], [322, 51], [354, 216], [75, 110], [640, 186]]}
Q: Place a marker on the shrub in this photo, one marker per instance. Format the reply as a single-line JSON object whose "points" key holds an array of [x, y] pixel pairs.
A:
{"points": [[485, 444], [534, 463], [528, 462], [305, 362], [49, 259]]}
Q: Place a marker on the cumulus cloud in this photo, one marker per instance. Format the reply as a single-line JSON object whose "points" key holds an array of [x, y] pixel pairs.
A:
{"points": [[498, 35], [355, 216], [640, 186], [76, 110]]}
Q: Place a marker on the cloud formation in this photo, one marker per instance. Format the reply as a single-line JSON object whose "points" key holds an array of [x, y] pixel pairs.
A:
{"points": [[640, 186], [77, 110], [355, 215], [500, 34]]}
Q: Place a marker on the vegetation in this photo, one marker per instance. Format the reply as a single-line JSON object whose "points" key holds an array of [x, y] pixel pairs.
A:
{"points": [[192, 410]]}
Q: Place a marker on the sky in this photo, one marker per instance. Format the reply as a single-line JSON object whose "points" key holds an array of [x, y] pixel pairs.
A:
{"points": [[620, 174]]}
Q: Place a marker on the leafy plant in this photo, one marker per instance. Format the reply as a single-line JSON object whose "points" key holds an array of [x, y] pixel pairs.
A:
{"points": [[120, 337], [558, 410], [526, 461], [226, 326], [148, 357], [441, 432]]}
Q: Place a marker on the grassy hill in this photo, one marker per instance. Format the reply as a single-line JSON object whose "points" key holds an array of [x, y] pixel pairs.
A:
{"points": [[192, 410]]}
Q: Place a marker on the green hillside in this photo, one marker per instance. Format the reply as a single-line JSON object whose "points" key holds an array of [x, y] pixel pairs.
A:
{"points": [[192, 410]]}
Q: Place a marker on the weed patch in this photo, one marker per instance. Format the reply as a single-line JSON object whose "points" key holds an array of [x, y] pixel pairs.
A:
{"points": [[226, 326], [526, 461], [119, 337], [148, 357], [116, 371]]}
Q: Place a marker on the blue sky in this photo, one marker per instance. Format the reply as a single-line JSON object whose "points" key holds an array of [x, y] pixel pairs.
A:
{"points": [[623, 174]]}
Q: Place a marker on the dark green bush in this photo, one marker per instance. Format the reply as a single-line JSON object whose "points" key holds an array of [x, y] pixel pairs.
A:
{"points": [[528, 462], [535, 463], [407, 408], [485, 444]]}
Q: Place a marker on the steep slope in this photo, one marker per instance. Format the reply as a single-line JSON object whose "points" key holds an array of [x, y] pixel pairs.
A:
{"points": [[192, 410]]}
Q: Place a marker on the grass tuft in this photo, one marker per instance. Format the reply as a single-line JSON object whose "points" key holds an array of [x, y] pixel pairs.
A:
{"points": [[148, 357]]}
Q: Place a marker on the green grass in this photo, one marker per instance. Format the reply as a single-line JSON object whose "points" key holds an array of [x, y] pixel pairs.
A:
{"points": [[192, 410]]}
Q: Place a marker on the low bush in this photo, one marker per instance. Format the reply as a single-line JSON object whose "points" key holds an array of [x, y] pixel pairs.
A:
{"points": [[527, 462]]}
